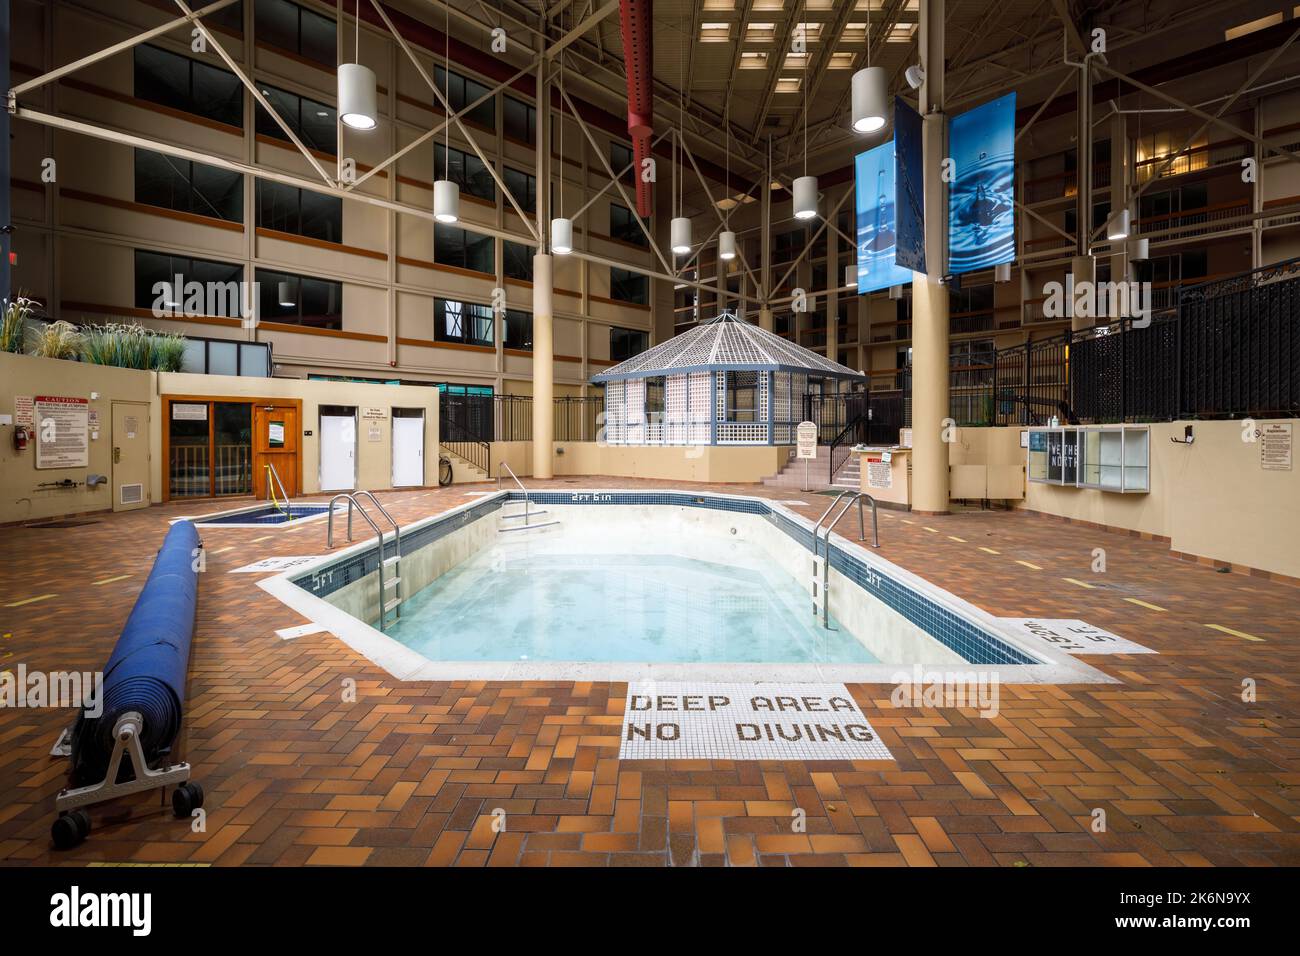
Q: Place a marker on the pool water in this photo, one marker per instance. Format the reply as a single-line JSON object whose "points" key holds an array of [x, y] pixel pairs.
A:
{"points": [[547, 600]]}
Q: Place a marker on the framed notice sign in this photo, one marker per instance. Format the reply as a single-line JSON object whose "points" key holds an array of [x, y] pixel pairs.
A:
{"points": [[61, 432]]}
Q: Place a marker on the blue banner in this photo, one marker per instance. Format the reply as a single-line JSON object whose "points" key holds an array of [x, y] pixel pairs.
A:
{"points": [[981, 206], [910, 190], [874, 195]]}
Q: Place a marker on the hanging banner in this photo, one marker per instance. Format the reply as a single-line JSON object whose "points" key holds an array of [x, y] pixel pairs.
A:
{"points": [[981, 207], [875, 206], [909, 188]]}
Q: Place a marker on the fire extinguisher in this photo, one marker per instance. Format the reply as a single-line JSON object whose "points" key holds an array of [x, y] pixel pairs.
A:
{"points": [[22, 436]]}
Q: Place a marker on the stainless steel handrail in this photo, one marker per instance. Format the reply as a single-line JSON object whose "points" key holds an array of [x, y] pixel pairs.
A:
{"points": [[527, 495], [397, 529], [329, 542], [862, 536]]}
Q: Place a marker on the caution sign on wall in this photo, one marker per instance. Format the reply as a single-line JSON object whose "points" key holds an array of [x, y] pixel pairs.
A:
{"points": [[61, 432]]}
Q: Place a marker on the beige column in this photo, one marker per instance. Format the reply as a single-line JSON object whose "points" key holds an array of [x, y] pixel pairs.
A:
{"points": [[765, 320], [1084, 271], [832, 294], [930, 410], [543, 368]]}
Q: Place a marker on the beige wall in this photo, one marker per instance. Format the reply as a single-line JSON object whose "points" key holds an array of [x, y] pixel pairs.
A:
{"points": [[24, 375], [1210, 498], [737, 464], [20, 499], [374, 459]]}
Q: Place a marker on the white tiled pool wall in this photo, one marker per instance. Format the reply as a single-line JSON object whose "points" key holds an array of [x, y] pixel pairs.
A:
{"points": [[419, 567]]}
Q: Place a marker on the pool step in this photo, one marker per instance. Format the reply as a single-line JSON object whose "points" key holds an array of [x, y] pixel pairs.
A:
{"points": [[392, 605], [521, 514], [526, 527]]}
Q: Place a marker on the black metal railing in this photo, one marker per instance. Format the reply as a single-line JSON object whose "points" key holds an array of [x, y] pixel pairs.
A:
{"points": [[489, 418], [458, 440], [831, 413], [854, 432]]}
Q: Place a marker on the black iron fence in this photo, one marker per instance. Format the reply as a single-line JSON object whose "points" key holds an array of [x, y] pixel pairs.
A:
{"points": [[1228, 348], [489, 418]]}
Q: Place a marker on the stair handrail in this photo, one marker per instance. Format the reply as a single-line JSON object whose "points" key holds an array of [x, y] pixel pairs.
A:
{"points": [[329, 540], [842, 438], [270, 487], [482, 456], [503, 467]]}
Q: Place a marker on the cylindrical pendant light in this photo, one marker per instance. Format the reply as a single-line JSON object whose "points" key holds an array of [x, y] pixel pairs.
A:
{"points": [[357, 97], [1002, 272], [870, 97], [851, 274], [1138, 250], [895, 292], [284, 294], [446, 194], [446, 201], [561, 236], [680, 233], [358, 101], [1117, 226], [726, 245], [805, 197]]}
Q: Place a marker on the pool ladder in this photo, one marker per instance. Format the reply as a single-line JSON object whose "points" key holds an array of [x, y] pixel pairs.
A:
{"points": [[821, 576], [387, 605], [527, 514]]}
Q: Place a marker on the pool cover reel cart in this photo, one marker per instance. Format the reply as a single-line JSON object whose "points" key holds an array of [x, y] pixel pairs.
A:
{"points": [[126, 748]]}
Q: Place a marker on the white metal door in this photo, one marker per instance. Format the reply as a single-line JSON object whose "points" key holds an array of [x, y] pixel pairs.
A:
{"points": [[408, 452], [338, 452]]}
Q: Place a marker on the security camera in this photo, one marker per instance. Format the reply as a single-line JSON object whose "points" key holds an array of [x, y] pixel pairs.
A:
{"points": [[915, 76]]}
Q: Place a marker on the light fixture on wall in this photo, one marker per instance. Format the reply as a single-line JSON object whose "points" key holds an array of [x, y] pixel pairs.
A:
{"points": [[284, 294], [446, 194], [851, 274], [358, 99], [1118, 225], [915, 76], [804, 192]]}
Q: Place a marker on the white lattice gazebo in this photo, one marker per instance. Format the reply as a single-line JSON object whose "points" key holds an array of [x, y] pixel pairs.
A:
{"points": [[725, 382]]}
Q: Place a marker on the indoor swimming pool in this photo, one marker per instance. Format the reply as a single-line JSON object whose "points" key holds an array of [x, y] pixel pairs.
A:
{"points": [[664, 585], [556, 596]]}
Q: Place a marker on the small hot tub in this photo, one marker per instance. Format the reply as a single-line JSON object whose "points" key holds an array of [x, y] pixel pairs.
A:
{"points": [[260, 515]]}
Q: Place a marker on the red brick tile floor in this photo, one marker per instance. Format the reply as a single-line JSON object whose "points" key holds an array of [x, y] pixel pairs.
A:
{"points": [[410, 773]]}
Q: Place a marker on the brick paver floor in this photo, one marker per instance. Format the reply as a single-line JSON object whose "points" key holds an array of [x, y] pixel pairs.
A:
{"points": [[1186, 771]]}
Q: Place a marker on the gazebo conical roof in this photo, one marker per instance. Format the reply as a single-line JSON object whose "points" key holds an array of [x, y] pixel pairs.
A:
{"points": [[727, 343]]}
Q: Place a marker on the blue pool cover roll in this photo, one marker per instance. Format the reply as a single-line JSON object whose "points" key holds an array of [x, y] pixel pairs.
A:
{"points": [[147, 670]]}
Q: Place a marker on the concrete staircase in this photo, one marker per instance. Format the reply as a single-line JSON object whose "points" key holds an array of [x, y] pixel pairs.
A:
{"points": [[462, 470], [791, 474]]}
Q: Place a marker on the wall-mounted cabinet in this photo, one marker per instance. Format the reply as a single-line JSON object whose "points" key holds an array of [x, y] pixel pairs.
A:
{"points": [[1109, 458]]}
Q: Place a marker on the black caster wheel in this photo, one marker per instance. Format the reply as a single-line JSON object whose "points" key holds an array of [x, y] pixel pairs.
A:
{"points": [[70, 829], [187, 798]]}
